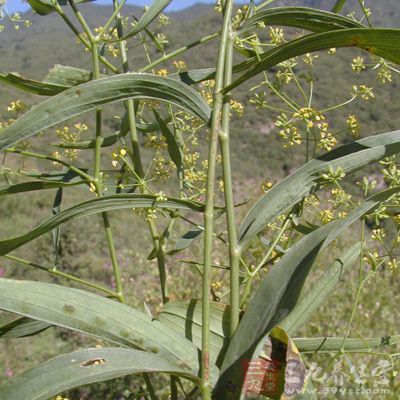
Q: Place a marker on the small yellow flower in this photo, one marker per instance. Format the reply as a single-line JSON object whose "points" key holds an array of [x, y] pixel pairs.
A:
{"points": [[353, 125], [160, 196], [16, 106], [216, 285], [162, 72], [378, 234], [358, 64], [180, 65]]}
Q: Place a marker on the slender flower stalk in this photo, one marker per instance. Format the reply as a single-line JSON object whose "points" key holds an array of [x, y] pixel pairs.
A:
{"points": [[97, 156], [138, 165], [180, 51], [55, 272], [209, 208]]}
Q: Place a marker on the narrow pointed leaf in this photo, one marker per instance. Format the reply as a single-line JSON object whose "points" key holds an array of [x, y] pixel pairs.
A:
{"points": [[22, 327], [156, 7], [44, 7], [58, 79], [55, 233], [95, 206], [94, 94], [174, 150], [279, 291], [186, 319], [34, 186], [306, 179], [65, 75], [334, 344], [89, 313], [381, 42], [338, 6], [186, 240], [84, 367], [30, 85], [320, 291], [106, 141], [313, 20]]}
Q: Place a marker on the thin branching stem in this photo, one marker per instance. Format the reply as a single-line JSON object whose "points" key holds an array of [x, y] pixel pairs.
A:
{"points": [[209, 208], [139, 170], [180, 51], [97, 157], [55, 272]]}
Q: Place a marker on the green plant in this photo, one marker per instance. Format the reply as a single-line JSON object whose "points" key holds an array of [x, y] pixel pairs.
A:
{"points": [[203, 342]]}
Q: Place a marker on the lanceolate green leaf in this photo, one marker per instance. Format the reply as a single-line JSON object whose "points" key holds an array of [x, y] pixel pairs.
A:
{"points": [[320, 291], [152, 12], [384, 43], [338, 6], [186, 240], [44, 7], [174, 150], [95, 206], [32, 86], [305, 180], [280, 289], [106, 141], [65, 75], [22, 327], [33, 186], [300, 17], [94, 94], [185, 319], [83, 367], [89, 313], [334, 344]]}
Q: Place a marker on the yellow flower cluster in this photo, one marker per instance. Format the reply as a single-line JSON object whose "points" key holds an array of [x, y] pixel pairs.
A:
{"points": [[16, 106], [353, 125]]}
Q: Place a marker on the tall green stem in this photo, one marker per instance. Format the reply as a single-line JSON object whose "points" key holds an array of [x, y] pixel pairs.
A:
{"points": [[234, 251], [209, 208], [97, 156], [138, 165]]}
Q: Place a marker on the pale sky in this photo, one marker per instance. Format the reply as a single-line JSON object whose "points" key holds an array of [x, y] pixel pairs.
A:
{"points": [[20, 5]]}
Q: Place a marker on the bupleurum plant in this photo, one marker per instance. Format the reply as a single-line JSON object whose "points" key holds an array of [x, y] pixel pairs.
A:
{"points": [[164, 156]]}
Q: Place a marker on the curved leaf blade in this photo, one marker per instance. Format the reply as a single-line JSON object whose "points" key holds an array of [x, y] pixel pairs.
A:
{"points": [[94, 94], [185, 319], [280, 289], [310, 19], [147, 18], [83, 367], [174, 150], [338, 6], [95, 206], [22, 327], [378, 41], [90, 313], [31, 86], [320, 291], [334, 344], [34, 186], [304, 181], [44, 7]]}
